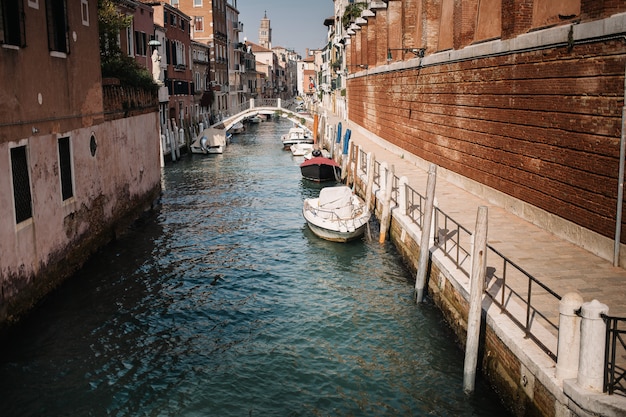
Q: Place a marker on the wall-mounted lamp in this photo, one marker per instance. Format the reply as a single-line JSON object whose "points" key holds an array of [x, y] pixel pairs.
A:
{"points": [[362, 66], [419, 52]]}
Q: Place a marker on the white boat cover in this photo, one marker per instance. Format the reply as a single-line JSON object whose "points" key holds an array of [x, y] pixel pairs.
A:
{"points": [[215, 137], [336, 199]]}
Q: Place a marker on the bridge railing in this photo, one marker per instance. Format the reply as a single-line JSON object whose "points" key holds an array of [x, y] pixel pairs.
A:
{"points": [[266, 102]]}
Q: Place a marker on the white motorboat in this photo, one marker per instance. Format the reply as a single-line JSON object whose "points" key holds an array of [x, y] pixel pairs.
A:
{"points": [[337, 214], [237, 128], [209, 141], [296, 135], [301, 149]]}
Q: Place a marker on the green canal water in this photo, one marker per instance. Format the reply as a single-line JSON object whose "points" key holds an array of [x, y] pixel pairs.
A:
{"points": [[224, 304]]}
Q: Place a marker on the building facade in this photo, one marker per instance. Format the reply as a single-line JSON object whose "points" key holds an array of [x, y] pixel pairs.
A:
{"points": [[523, 98], [176, 59], [210, 27], [201, 82], [67, 188]]}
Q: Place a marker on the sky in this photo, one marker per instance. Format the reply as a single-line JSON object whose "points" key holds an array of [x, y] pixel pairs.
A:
{"points": [[296, 24]]}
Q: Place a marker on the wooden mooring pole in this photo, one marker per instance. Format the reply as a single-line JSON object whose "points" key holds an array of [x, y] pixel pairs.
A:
{"points": [[371, 162], [477, 287], [385, 218], [422, 262]]}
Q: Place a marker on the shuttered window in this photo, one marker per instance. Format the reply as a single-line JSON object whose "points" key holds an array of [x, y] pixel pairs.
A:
{"points": [[58, 38], [21, 184], [12, 23], [65, 168]]}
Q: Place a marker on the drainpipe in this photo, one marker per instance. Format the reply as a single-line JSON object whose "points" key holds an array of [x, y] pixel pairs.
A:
{"points": [[620, 182]]}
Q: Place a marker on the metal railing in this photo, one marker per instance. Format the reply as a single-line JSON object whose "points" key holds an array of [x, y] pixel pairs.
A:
{"points": [[614, 371], [513, 290], [509, 286], [454, 240]]}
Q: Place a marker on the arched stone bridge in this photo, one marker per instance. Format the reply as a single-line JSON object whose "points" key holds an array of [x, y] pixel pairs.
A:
{"points": [[266, 106]]}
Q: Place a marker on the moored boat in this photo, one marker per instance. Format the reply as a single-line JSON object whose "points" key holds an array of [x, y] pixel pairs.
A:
{"points": [[237, 128], [337, 214], [301, 149], [320, 168], [295, 135], [209, 141]]}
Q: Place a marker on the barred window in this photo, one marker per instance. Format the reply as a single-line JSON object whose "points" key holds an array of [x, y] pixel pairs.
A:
{"points": [[21, 184], [65, 168]]}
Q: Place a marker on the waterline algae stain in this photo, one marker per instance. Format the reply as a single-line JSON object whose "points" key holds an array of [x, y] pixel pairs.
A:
{"points": [[225, 304]]}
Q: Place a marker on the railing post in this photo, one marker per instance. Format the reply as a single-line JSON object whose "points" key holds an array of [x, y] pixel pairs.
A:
{"points": [[279, 103], [402, 195], [592, 344], [251, 103], [568, 350]]}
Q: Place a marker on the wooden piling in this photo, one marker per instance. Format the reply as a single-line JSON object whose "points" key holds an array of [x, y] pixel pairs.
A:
{"points": [[371, 162], [477, 288], [315, 127], [385, 220], [422, 263], [354, 165]]}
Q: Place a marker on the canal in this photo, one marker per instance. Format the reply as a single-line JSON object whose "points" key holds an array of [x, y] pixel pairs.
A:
{"points": [[223, 303]]}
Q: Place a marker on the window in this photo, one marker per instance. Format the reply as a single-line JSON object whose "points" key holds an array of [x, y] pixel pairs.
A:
{"points": [[197, 3], [12, 23], [198, 23], [21, 184], [56, 13], [65, 168], [130, 49], [84, 12], [174, 3], [140, 43]]}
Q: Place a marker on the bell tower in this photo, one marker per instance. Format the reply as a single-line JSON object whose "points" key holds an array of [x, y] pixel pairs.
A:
{"points": [[265, 33]]}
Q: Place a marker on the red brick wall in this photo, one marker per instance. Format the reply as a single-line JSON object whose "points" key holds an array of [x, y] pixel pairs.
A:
{"points": [[542, 126]]}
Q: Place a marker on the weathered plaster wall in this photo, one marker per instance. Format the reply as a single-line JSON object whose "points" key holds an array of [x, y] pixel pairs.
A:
{"points": [[111, 189]]}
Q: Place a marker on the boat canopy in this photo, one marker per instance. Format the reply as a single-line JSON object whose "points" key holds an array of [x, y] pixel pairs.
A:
{"points": [[215, 137], [335, 197]]}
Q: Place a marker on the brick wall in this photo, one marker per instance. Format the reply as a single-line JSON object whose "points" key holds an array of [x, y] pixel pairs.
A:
{"points": [[542, 126], [123, 101]]}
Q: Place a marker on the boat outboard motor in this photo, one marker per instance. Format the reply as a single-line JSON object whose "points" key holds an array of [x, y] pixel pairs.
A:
{"points": [[316, 152], [203, 142]]}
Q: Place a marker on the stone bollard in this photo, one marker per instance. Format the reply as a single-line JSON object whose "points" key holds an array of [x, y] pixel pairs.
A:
{"points": [[569, 336], [592, 344]]}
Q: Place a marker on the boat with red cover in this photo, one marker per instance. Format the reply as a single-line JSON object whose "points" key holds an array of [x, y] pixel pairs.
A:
{"points": [[320, 168]]}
